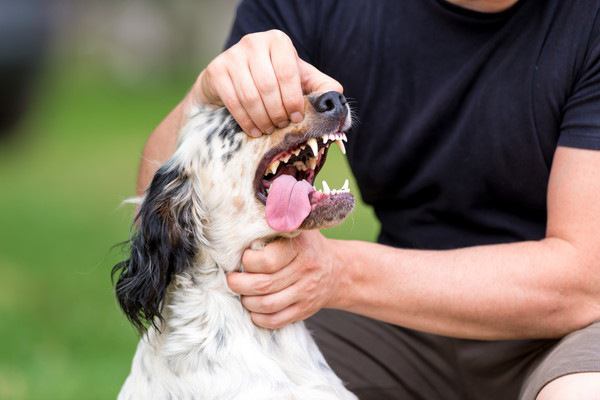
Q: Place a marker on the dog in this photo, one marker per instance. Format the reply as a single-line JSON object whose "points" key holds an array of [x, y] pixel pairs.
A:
{"points": [[220, 193]]}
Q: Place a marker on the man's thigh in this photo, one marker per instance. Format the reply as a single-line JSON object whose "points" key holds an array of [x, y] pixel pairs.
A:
{"points": [[573, 363], [379, 361], [580, 386]]}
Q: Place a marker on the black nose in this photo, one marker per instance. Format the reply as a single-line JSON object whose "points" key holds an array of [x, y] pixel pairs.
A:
{"points": [[332, 104]]}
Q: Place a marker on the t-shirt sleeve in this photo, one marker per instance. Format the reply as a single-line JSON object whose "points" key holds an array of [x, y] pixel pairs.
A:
{"points": [[581, 117], [294, 17]]}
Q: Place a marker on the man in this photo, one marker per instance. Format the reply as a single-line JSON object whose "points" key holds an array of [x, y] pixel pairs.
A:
{"points": [[479, 125]]}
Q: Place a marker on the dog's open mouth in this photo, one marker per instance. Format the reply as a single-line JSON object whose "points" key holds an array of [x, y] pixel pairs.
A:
{"points": [[285, 183]]}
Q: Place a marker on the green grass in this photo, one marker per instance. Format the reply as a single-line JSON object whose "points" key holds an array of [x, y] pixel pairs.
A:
{"points": [[61, 333]]}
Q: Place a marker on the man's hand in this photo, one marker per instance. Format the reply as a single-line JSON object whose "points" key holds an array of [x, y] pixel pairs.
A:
{"points": [[261, 80], [289, 280]]}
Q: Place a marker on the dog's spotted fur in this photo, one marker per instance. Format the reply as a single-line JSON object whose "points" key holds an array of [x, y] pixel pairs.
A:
{"points": [[198, 216]]}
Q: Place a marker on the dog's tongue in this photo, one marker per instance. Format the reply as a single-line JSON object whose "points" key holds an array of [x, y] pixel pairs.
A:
{"points": [[288, 203]]}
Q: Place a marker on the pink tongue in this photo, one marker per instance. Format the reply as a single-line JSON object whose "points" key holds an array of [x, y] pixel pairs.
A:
{"points": [[288, 203]]}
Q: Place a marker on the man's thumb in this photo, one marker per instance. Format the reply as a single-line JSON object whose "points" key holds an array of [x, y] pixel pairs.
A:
{"points": [[313, 80]]}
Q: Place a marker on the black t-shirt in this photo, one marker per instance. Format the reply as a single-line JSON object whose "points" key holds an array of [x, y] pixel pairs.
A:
{"points": [[459, 112]]}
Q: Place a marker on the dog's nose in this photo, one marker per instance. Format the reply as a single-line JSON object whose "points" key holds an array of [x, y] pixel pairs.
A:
{"points": [[332, 104]]}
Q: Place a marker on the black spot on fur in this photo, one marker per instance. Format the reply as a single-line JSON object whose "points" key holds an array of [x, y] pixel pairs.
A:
{"points": [[164, 245], [234, 149]]}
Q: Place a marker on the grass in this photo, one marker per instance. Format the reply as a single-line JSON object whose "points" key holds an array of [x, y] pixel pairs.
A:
{"points": [[61, 333]]}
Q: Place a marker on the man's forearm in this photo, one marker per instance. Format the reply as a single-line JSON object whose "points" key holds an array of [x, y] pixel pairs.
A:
{"points": [[160, 146], [521, 290]]}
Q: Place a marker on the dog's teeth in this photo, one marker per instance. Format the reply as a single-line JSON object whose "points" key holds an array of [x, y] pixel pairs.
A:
{"points": [[286, 158], [346, 186], [314, 146], [273, 167], [326, 189], [324, 139], [296, 152], [341, 146], [344, 138], [312, 163]]}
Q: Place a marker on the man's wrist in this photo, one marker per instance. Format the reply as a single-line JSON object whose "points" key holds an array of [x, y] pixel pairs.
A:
{"points": [[343, 264]]}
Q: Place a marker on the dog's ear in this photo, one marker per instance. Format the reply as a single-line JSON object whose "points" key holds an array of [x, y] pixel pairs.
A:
{"points": [[165, 243]]}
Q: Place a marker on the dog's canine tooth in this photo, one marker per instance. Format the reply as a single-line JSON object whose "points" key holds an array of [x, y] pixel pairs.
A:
{"points": [[314, 146], [344, 138], [324, 139], [341, 146], [346, 185], [273, 167], [326, 189]]}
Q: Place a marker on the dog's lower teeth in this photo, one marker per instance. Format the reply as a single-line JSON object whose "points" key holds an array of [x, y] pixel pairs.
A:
{"points": [[344, 189]]}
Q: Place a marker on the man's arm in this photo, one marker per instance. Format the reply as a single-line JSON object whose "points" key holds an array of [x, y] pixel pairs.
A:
{"points": [[532, 289]]}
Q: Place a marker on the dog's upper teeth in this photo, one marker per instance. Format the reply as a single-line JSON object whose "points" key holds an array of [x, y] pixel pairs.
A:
{"points": [[286, 158], [341, 146], [344, 138], [296, 152], [324, 138], [312, 142], [273, 167], [326, 189]]}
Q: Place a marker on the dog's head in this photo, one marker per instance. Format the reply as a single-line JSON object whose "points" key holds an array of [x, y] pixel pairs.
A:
{"points": [[222, 190]]}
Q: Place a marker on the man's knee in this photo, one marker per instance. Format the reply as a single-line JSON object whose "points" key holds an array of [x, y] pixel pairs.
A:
{"points": [[580, 386]]}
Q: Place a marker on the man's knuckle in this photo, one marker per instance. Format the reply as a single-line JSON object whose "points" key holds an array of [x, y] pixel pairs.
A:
{"points": [[287, 74], [267, 304], [248, 39], [279, 115], [264, 285], [278, 34], [249, 98], [266, 86]]}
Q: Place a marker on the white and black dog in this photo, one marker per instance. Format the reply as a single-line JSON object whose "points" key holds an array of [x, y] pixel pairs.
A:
{"points": [[220, 193]]}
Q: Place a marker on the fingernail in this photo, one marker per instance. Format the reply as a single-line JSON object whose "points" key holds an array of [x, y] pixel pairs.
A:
{"points": [[296, 117], [283, 124], [255, 132], [270, 130]]}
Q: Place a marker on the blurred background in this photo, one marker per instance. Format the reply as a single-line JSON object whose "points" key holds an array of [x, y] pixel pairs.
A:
{"points": [[82, 84]]}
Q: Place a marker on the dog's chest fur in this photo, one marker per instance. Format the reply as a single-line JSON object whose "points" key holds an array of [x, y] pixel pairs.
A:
{"points": [[210, 349]]}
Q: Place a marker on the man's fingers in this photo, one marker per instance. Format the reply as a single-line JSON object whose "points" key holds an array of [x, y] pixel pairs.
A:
{"points": [[268, 88], [271, 303], [285, 64], [229, 98], [249, 284], [279, 319], [314, 80], [272, 258]]}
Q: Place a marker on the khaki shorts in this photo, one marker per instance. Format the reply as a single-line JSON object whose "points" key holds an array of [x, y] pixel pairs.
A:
{"points": [[379, 361]]}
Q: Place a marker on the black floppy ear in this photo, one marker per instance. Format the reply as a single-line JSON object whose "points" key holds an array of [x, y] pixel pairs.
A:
{"points": [[164, 244]]}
